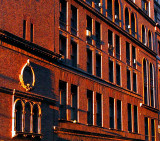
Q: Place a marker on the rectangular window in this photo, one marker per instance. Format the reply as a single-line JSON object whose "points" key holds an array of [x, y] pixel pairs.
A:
{"points": [[74, 20], [110, 42], [117, 47], [62, 45], [31, 36], [159, 47], [128, 53], [134, 56], [135, 119], [145, 7], [155, 16], [62, 19], [119, 112], [90, 107], [109, 8], [89, 29], [111, 112], [118, 74], [89, 61], [24, 29], [134, 82], [62, 95], [146, 129], [128, 79], [99, 109], [73, 54], [110, 71], [98, 34], [73, 102], [152, 129], [97, 7], [98, 65], [129, 118]]}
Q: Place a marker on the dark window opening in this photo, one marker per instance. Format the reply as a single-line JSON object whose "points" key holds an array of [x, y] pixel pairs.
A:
{"points": [[74, 20], [111, 112], [31, 32], [62, 19], [73, 102], [109, 9], [126, 19], [35, 119], [133, 24], [89, 2], [134, 56], [73, 54], [128, 79], [18, 115], [128, 53], [149, 40], [27, 117], [155, 16], [98, 34], [62, 92], [143, 34], [117, 47], [62, 46], [135, 119], [145, 7], [116, 12], [119, 112], [151, 85], [146, 128], [129, 118], [118, 75], [145, 82], [89, 61], [24, 29], [134, 82], [110, 42], [152, 129], [99, 109], [89, 27], [90, 107], [98, 65], [97, 7], [110, 71]]}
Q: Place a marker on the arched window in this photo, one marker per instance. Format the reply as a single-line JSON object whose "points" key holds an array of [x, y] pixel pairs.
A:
{"points": [[35, 119], [116, 11], [145, 81], [149, 39], [109, 9], [143, 34], [151, 85], [127, 19], [133, 24], [18, 116], [27, 117]]}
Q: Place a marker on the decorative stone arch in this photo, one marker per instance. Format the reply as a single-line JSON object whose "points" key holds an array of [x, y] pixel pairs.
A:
{"points": [[25, 83]]}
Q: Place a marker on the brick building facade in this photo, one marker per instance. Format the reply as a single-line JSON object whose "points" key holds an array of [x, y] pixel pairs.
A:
{"points": [[78, 70]]}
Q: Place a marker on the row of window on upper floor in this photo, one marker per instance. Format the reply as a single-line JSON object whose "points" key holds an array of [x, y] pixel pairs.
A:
{"points": [[130, 25], [115, 78], [115, 110]]}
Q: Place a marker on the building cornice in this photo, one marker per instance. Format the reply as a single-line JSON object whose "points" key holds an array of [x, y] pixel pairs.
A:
{"points": [[28, 95], [28, 46], [116, 27]]}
